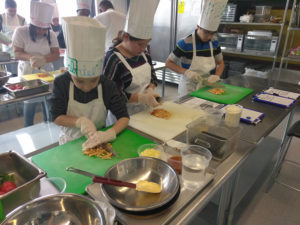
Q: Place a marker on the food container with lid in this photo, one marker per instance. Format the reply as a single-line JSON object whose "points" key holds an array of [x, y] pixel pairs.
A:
{"points": [[221, 140]]}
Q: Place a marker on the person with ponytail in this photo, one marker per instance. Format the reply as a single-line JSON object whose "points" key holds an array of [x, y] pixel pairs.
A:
{"points": [[36, 47]]}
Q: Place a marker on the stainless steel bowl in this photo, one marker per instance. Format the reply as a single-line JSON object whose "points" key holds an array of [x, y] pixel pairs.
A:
{"points": [[4, 78], [59, 209], [141, 168]]}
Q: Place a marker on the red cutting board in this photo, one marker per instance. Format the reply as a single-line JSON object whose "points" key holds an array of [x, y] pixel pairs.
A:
{"points": [[56, 160]]}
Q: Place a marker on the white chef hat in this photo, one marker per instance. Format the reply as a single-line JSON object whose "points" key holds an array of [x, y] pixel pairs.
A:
{"points": [[85, 42], [211, 12], [84, 4], [140, 16], [41, 14], [55, 11]]}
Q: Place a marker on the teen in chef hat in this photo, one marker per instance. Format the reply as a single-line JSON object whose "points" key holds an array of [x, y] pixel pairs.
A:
{"points": [[129, 64], [84, 7], [81, 97], [206, 55]]}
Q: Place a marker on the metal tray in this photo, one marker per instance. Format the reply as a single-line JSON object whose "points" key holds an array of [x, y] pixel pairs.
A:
{"points": [[26, 176], [32, 87]]}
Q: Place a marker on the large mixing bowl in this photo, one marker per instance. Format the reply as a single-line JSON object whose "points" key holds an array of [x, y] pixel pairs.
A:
{"points": [[59, 209], [142, 168]]}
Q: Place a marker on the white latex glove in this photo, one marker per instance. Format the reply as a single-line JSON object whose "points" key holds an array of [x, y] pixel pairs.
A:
{"points": [[193, 75], [87, 127], [148, 98], [37, 61], [213, 79], [99, 137]]}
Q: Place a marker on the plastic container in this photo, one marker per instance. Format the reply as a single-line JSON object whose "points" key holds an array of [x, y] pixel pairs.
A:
{"points": [[220, 140], [233, 115], [152, 150], [195, 160], [263, 10]]}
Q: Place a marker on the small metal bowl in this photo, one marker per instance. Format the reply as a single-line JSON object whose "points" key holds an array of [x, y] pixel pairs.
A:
{"points": [[141, 168], [57, 209]]}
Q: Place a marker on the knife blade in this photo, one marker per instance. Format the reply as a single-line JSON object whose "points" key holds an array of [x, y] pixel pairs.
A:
{"points": [[72, 169], [107, 147]]}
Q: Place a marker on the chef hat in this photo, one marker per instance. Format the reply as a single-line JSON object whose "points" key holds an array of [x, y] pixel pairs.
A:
{"points": [[55, 11], [84, 4], [140, 16], [85, 42], [41, 14], [211, 12]]}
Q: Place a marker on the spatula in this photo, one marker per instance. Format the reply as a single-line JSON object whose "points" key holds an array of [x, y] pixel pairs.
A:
{"points": [[141, 185]]}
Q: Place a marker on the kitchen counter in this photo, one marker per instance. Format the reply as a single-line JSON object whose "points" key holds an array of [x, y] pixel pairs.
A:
{"points": [[227, 170]]}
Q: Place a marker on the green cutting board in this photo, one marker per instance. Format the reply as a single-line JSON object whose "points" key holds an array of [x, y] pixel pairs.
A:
{"points": [[232, 94], [56, 160]]}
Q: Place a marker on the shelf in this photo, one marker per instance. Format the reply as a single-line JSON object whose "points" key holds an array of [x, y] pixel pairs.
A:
{"points": [[295, 59], [252, 24], [248, 54], [294, 28]]}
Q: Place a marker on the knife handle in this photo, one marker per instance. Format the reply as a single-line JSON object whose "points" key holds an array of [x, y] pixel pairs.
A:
{"points": [[104, 180]]}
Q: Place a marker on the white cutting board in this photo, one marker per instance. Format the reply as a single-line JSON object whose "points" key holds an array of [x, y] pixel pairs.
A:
{"points": [[163, 129]]}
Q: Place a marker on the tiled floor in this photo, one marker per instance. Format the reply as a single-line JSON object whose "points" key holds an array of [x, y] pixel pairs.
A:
{"points": [[280, 206]]}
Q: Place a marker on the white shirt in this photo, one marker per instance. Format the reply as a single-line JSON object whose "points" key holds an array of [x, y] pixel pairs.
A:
{"points": [[21, 39], [114, 22]]}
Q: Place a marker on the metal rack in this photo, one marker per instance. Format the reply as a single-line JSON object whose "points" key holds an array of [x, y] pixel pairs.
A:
{"points": [[290, 32], [281, 25]]}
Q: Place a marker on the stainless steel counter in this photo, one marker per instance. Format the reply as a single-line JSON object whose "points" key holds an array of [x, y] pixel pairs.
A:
{"points": [[273, 114], [228, 169]]}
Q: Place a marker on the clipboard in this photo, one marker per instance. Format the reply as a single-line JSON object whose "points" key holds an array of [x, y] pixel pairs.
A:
{"points": [[274, 100], [251, 116], [282, 93]]}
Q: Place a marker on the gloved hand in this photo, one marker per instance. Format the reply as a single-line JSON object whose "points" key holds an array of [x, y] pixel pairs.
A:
{"points": [[148, 98], [37, 61], [213, 79], [87, 127], [193, 75], [99, 137]]}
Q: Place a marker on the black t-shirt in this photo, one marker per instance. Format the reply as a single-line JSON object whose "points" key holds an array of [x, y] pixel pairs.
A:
{"points": [[113, 100]]}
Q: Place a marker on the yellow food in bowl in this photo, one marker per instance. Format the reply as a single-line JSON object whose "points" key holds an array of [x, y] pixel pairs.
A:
{"points": [[151, 152]]}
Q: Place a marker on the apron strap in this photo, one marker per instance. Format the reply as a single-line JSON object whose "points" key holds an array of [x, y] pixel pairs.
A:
{"points": [[145, 58], [211, 49], [71, 91], [100, 92], [123, 60], [194, 46]]}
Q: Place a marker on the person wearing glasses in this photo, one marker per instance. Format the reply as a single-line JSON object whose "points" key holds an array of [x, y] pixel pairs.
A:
{"points": [[199, 53]]}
